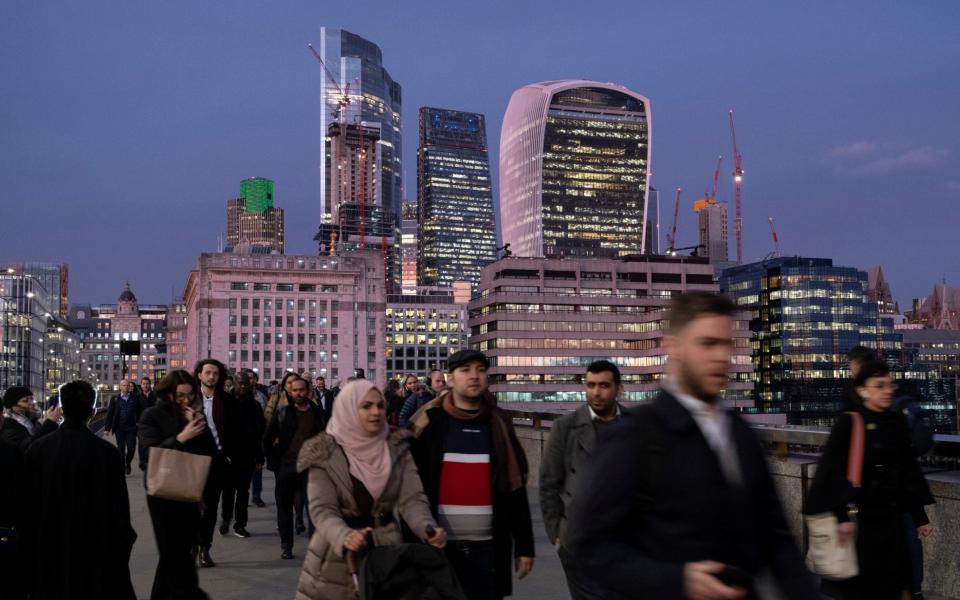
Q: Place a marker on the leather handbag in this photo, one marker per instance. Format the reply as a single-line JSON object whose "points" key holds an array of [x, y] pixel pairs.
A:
{"points": [[176, 475], [825, 556]]}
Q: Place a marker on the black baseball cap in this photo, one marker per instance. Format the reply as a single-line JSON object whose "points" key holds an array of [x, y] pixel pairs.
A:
{"points": [[458, 359]]}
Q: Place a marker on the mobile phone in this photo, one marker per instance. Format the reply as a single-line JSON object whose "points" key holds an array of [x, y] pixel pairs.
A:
{"points": [[735, 577]]}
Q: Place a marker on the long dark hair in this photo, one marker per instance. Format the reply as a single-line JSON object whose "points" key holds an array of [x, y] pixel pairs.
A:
{"points": [[166, 391], [221, 380], [283, 382]]}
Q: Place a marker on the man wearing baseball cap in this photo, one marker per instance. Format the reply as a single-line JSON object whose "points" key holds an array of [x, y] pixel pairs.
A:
{"points": [[474, 473], [22, 420]]}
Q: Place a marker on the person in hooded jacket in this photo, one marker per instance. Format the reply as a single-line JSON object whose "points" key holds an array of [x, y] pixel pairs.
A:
{"points": [[359, 472]]}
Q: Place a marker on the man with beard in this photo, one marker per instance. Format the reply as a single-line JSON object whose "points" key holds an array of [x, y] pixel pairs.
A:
{"points": [[23, 423], [212, 374], [80, 537], [243, 420], [678, 503]]}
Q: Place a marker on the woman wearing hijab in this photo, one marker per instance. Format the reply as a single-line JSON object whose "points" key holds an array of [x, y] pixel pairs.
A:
{"points": [[360, 472]]}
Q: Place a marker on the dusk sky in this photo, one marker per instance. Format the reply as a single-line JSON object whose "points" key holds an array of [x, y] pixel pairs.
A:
{"points": [[127, 125]]}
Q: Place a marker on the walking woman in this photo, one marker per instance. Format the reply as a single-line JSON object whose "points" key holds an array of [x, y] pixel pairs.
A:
{"points": [[359, 472], [892, 485], [172, 423]]}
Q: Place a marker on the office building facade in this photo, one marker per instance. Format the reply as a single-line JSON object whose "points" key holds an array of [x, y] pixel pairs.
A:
{"points": [[712, 223], [424, 329], [409, 226], [806, 314], [253, 219], [375, 101], [26, 308], [575, 170], [274, 314], [457, 235], [542, 321]]}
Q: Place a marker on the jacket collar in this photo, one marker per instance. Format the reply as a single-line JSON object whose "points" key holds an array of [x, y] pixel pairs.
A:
{"points": [[674, 415]]}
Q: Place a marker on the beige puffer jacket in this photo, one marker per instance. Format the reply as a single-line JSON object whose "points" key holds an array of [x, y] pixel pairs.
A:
{"points": [[330, 496]]}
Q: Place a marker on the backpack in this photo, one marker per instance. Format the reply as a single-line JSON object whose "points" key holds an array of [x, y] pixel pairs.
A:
{"points": [[919, 421]]}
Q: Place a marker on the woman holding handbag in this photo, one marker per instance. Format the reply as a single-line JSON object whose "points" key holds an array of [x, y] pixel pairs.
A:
{"points": [[870, 516], [360, 472], [173, 424]]}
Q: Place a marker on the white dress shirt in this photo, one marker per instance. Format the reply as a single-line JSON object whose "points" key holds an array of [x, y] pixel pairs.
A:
{"points": [[715, 424], [208, 412]]}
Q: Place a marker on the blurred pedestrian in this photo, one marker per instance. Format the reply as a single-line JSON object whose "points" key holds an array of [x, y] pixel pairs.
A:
{"points": [[77, 491], [416, 400], [13, 517], [892, 484], [325, 397], [678, 502], [359, 473], [211, 374], [260, 394], [394, 400], [23, 422], [174, 423]]}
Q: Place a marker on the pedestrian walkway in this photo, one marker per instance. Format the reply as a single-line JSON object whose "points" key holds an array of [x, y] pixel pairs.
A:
{"points": [[251, 569]]}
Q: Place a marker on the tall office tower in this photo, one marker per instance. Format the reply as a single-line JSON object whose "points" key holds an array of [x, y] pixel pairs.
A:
{"points": [[574, 170], [457, 229], [54, 277], [651, 244], [807, 314], [408, 247], [375, 101], [712, 216], [253, 219]]}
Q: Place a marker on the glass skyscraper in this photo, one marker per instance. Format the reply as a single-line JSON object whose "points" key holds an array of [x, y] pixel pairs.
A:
{"points": [[375, 101], [807, 314], [574, 170], [457, 229]]}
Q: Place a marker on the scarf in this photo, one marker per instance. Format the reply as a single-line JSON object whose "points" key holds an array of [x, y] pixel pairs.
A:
{"points": [[28, 423], [367, 453], [506, 446]]}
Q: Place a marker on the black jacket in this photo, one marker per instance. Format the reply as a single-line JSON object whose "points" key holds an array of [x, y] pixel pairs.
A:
{"points": [[78, 491], [19, 437], [656, 498], [512, 526], [282, 429], [112, 422], [243, 425], [13, 514]]}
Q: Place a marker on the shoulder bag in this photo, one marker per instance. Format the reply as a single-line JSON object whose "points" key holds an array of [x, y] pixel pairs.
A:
{"points": [[176, 475]]}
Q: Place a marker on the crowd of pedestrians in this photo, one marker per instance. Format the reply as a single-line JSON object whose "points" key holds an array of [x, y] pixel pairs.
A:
{"points": [[420, 489]]}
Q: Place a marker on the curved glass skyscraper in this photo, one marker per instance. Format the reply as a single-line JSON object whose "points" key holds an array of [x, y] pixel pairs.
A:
{"points": [[574, 170]]}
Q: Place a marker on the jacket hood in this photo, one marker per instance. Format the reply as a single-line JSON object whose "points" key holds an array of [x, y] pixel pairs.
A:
{"points": [[317, 450]]}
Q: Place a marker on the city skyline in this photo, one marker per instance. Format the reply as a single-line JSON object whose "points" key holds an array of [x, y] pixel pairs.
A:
{"points": [[168, 107]]}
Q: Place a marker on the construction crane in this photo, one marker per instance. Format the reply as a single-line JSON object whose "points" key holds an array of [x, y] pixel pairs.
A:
{"points": [[776, 238], [672, 236], [737, 188], [344, 101], [712, 196]]}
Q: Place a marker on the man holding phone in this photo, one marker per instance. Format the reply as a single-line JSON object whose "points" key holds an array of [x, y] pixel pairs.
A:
{"points": [[679, 504]]}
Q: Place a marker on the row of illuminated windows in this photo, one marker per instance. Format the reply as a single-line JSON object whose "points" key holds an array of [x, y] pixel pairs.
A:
{"points": [[281, 287], [421, 313], [576, 361], [281, 356], [411, 339], [281, 304], [569, 327], [567, 344], [280, 339], [558, 308], [815, 293], [279, 321], [421, 326]]}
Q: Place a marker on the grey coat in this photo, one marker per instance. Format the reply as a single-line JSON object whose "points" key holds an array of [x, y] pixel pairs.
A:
{"points": [[330, 496], [571, 444]]}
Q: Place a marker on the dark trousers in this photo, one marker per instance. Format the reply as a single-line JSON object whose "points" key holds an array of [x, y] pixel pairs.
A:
{"points": [[127, 444], [174, 527], [915, 547], [236, 493], [256, 483], [580, 586], [289, 483], [211, 500], [475, 566]]}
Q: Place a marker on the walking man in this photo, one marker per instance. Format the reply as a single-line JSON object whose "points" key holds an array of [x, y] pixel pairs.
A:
{"points": [[123, 413], [261, 394], [569, 453], [679, 503], [80, 538], [291, 426], [243, 421], [212, 374], [474, 473]]}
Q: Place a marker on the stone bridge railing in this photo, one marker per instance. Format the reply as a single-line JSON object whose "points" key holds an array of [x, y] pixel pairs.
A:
{"points": [[793, 456]]}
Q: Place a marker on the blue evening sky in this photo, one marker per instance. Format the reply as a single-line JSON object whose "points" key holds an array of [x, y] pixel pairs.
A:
{"points": [[126, 125]]}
